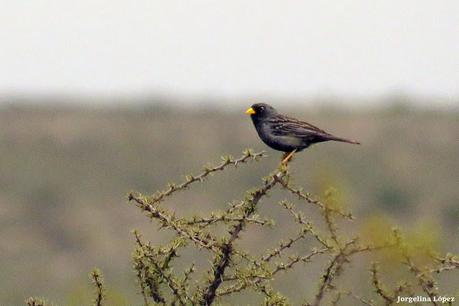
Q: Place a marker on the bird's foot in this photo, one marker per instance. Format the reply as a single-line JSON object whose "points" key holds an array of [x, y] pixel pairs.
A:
{"points": [[287, 157]]}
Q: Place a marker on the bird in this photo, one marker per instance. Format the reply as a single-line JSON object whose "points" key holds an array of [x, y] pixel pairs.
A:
{"points": [[287, 134]]}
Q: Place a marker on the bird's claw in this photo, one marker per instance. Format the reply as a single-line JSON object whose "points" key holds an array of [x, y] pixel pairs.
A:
{"points": [[287, 157]]}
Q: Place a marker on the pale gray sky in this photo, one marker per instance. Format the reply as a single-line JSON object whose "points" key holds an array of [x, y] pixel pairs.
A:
{"points": [[230, 48]]}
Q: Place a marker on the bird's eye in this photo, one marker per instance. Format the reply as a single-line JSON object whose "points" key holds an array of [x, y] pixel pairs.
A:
{"points": [[262, 108]]}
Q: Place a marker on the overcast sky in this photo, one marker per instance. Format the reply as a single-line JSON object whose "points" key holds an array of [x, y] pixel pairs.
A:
{"points": [[230, 48]]}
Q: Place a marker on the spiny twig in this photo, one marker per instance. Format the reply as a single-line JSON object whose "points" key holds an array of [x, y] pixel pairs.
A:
{"points": [[388, 298], [248, 155], [307, 197], [299, 217], [167, 220], [285, 245], [425, 280], [216, 217], [256, 280], [97, 280], [448, 262], [34, 301], [333, 270]]}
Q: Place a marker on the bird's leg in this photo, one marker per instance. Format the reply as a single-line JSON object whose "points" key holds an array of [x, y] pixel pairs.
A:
{"points": [[287, 157]]}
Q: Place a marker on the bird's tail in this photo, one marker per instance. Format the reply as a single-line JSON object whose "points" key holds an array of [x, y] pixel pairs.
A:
{"points": [[343, 139]]}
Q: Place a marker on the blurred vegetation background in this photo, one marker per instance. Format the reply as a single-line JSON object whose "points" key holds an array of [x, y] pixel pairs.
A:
{"points": [[65, 171]]}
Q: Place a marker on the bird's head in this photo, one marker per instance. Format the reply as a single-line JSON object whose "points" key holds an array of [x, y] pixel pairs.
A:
{"points": [[260, 110]]}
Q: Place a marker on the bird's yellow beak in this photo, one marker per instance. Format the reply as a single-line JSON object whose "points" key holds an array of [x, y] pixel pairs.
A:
{"points": [[250, 111]]}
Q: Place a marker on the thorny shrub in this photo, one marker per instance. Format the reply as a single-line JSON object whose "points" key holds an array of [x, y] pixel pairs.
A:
{"points": [[233, 270]]}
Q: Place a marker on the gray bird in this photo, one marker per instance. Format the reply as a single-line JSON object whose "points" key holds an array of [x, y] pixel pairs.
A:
{"points": [[286, 134]]}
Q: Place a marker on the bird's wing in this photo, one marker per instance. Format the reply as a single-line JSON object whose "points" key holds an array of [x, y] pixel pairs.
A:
{"points": [[285, 126]]}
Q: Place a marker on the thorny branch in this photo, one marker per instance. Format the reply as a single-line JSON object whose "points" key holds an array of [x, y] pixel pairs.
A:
{"points": [[248, 155], [308, 198], [100, 290], [388, 298], [222, 261], [168, 220]]}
